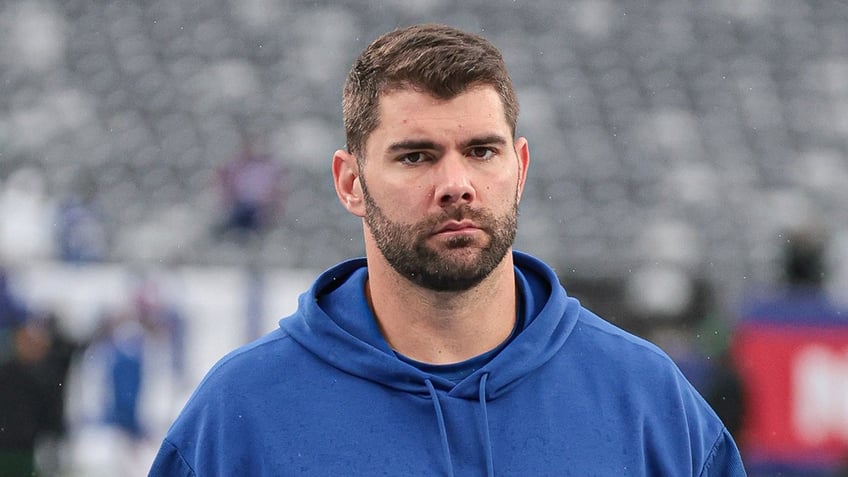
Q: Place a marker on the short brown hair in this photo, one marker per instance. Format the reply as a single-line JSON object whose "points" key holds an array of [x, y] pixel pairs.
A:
{"points": [[436, 59]]}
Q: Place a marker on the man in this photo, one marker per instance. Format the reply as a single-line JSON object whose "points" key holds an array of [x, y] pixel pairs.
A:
{"points": [[27, 413], [442, 352]]}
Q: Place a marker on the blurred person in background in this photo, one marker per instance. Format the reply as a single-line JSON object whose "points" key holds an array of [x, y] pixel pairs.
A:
{"points": [[53, 370], [725, 391], [252, 192], [111, 392], [124, 348], [25, 404], [163, 322], [81, 232], [443, 351], [803, 261], [720, 381], [32, 398], [134, 343], [132, 366]]}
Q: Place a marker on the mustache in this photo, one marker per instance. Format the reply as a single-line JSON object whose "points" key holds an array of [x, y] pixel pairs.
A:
{"points": [[480, 217]]}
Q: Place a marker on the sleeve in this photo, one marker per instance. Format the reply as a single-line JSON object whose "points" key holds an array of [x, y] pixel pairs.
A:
{"points": [[724, 459], [169, 463]]}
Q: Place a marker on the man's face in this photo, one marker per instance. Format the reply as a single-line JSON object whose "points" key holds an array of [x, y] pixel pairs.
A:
{"points": [[441, 183]]}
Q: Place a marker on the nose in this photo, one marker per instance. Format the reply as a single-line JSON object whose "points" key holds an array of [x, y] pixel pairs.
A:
{"points": [[453, 181]]}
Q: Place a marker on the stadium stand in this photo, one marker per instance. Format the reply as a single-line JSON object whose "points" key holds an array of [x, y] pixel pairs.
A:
{"points": [[714, 115], [701, 112]]}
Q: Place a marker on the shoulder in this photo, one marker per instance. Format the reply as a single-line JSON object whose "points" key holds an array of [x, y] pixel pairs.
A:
{"points": [[237, 393], [634, 369], [643, 385], [252, 362], [616, 344]]}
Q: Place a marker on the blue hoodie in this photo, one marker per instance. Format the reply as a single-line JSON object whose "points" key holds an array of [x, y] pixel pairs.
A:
{"points": [[325, 395]]}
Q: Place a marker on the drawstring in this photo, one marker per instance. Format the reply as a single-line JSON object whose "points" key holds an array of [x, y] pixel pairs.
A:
{"points": [[442, 429], [487, 439], [443, 432]]}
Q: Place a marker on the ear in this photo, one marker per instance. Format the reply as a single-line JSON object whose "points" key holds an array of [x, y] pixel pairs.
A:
{"points": [[522, 151], [347, 182]]}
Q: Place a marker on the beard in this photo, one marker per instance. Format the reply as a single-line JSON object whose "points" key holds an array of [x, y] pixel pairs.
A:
{"points": [[456, 269]]}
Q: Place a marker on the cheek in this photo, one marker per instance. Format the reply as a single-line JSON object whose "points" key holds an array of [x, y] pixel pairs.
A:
{"points": [[401, 201], [503, 191], [412, 195]]}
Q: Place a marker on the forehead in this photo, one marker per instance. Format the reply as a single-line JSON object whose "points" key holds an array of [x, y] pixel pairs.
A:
{"points": [[412, 112]]}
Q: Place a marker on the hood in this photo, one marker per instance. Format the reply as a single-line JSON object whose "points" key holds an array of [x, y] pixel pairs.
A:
{"points": [[334, 322]]}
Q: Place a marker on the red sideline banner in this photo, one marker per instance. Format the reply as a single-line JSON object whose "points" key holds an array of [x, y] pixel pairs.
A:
{"points": [[795, 379]]}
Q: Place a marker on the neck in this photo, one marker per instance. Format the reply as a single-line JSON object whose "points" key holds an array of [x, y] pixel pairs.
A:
{"points": [[442, 327]]}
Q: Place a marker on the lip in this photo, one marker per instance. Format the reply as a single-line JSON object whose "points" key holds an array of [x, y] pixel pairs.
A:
{"points": [[453, 226]]}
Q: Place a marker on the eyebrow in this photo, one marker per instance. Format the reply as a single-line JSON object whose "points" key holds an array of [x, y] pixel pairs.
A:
{"points": [[490, 139], [414, 144], [411, 145]]}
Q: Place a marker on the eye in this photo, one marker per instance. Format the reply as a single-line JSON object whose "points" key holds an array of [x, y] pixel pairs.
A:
{"points": [[481, 152], [413, 158]]}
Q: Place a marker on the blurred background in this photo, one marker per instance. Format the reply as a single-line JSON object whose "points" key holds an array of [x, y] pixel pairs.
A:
{"points": [[165, 195]]}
